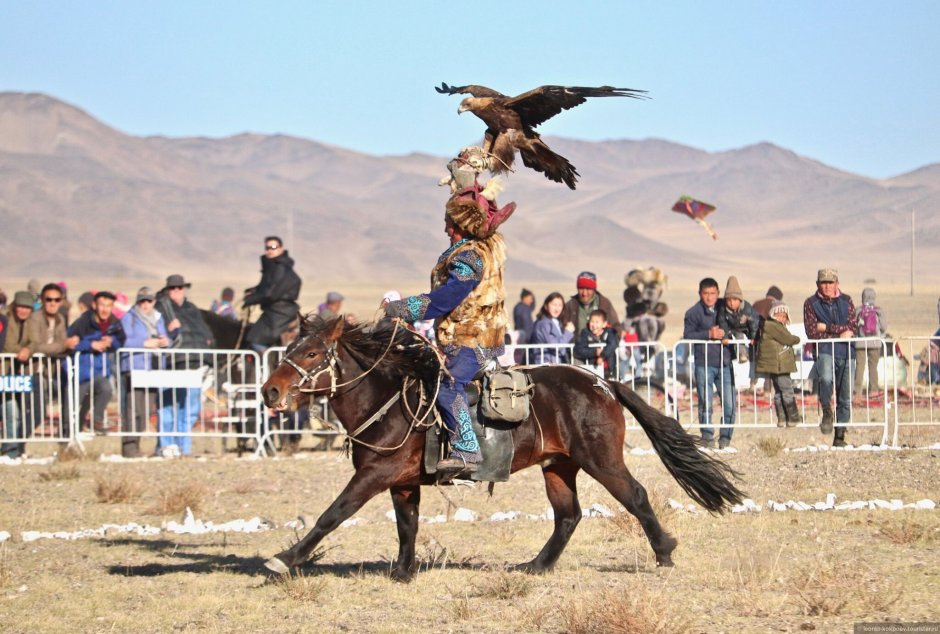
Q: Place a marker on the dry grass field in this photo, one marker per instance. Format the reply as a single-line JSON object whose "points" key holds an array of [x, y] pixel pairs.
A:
{"points": [[746, 572]]}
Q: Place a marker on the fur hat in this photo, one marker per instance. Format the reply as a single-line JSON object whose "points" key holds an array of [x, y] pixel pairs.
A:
{"points": [[733, 289], [474, 211]]}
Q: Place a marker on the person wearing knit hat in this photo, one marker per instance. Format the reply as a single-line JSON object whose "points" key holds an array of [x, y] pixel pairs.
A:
{"points": [[776, 361], [578, 309], [738, 319]]}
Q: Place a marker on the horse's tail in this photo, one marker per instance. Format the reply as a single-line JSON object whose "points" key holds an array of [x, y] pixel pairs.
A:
{"points": [[706, 479]]}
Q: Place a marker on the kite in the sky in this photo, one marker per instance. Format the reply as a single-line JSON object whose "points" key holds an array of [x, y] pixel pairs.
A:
{"points": [[510, 123], [696, 210]]}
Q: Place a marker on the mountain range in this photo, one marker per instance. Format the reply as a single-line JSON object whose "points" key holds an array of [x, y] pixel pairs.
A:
{"points": [[81, 198]]}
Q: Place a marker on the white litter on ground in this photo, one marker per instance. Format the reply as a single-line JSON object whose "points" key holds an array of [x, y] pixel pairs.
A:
{"points": [[465, 515], [4, 536], [597, 510], [501, 516], [7, 460], [191, 526]]}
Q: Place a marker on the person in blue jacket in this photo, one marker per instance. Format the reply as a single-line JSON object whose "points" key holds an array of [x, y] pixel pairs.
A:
{"points": [[93, 337], [144, 328]]}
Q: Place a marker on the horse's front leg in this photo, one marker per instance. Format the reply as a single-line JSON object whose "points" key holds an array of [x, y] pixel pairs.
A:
{"points": [[363, 486], [406, 500]]}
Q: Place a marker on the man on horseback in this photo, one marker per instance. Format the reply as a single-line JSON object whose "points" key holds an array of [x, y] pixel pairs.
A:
{"points": [[276, 293], [467, 301]]}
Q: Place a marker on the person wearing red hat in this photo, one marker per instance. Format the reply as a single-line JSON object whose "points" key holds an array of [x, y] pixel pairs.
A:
{"points": [[578, 309]]}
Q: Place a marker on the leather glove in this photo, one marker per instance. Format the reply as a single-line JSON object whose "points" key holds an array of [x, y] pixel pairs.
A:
{"points": [[397, 309]]}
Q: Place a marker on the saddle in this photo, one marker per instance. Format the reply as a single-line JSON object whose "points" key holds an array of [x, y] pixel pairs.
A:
{"points": [[499, 401]]}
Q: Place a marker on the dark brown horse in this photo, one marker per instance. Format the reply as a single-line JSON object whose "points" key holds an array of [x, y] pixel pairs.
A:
{"points": [[576, 423]]}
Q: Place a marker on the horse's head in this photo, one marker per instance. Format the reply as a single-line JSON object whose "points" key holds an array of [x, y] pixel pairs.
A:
{"points": [[308, 367]]}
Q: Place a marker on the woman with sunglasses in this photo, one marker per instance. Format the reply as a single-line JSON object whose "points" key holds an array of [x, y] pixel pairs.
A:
{"points": [[144, 328]]}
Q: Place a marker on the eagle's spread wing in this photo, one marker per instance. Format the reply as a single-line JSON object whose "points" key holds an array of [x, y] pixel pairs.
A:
{"points": [[476, 91], [541, 104]]}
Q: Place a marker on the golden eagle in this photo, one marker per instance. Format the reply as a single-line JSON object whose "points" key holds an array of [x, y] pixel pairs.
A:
{"points": [[510, 122]]}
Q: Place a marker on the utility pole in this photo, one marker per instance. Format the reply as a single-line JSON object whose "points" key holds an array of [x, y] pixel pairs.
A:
{"points": [[912, 252]]}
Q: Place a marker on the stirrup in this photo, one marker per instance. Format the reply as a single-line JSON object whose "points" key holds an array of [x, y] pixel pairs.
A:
{"points": [[456, 464]]}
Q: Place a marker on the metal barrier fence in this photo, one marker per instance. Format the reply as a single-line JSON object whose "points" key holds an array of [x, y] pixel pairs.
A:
{"points": [[919, 399], [856, 401], [35, 401], [177, 395]]}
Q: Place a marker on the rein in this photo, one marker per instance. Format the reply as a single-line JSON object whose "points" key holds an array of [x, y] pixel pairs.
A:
{"points": [[329, 365]]}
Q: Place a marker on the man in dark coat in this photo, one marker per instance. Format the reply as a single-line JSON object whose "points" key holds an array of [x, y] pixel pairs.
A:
{"points": [[277, 295], [188, 330], [577, 310]]}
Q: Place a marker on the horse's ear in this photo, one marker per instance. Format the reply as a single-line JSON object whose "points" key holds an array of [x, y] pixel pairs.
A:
{"points": [[337, 328]]}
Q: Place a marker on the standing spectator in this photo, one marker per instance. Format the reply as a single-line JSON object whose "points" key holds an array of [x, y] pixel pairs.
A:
{"points": [[712, 364], [188, 330], [47, 331], [522, 320], [17, 339], [597, 345], [873, 327], [332, 307], [762, 306], [548, 330], [276, 293], [33, 287], [738, 319], [830, 314], [578, 309], [776, 361], [94, 336], [17, 342], [144, 328], [223, 306], [65, 306]]}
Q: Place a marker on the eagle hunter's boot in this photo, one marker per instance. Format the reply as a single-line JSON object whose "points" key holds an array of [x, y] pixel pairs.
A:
{"points": [[793, 414]]}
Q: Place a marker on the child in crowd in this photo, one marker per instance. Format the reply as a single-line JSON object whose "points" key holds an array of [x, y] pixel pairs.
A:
{"points": [[737, 318], [597, 344], [776, 361]]}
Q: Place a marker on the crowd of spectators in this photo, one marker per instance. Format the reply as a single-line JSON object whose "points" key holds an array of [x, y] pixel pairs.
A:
{"points": [[584, 329]]}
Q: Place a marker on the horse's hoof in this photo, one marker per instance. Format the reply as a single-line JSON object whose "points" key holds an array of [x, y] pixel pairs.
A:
{"points": [[276, 566], [531, 568], [664, 562], [402, 575]]}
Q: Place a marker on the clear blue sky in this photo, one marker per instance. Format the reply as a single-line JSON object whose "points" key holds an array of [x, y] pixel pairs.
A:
{"points": [[852, 84]]}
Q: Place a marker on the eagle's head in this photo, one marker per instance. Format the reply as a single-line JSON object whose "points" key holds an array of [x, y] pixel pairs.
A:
{"points": [[465, 105]]}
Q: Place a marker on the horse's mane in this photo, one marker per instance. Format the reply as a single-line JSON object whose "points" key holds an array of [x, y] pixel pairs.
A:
{"points": [[368, 343]]}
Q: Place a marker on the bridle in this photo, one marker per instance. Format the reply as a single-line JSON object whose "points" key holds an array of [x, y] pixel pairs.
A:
{"points": [[329, 365]]}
